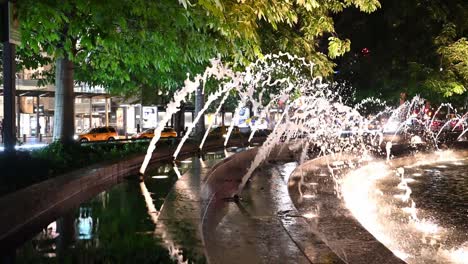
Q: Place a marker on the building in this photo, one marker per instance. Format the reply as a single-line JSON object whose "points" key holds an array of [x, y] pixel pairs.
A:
{"points": [[94, 107]]}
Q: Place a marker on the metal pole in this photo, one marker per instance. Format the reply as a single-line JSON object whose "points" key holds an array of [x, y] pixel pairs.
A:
{"points": [[38, 125], [9, 93], [107, 112], [125, 120], [90, 112], [18, 116]]}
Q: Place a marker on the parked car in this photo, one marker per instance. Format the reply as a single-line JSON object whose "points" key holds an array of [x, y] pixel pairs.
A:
{"points": [[221, 131], [168, 132], [263, 132], [98, 134]]}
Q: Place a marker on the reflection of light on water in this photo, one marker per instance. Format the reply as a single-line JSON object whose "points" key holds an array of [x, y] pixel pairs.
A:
{"points": [[174, 251], [409, 237], [459, 255], [308, 196], [337, 163], [309, 215], [85, 225], [159, 177], [355, 192], [408, 180], [426, 227], [287, 169], [402, 255], [457, 163], [154, 214], [187, 161], [409, 210], [52, 230], [202, 162], [176, 170], [379, 192], [441, 166]]}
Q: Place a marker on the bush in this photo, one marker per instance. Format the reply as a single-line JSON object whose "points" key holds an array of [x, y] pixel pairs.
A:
{"points": [[26, 168]]}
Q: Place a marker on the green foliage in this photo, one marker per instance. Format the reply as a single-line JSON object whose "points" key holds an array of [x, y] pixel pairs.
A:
{"points": [[63, 158], [337, 47], [415, 46], [144, 48], [455, 58], [122, 45]]}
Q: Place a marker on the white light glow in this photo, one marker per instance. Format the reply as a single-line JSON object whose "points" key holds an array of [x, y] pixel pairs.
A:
{"points": [[309, 215], [400, 227], [426, 227], [159, 177], [459, 255]]}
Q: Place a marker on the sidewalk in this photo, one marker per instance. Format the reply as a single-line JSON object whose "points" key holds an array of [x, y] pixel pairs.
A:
{"points": [[31, 143]]}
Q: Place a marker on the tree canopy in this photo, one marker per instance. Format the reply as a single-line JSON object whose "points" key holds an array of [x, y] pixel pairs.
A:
{"points": [[415, 46], [121, 45], [126, 46]]}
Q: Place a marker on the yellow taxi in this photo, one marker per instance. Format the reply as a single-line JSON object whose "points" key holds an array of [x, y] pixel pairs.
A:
{"points": [[167, 132], [98, 134]]}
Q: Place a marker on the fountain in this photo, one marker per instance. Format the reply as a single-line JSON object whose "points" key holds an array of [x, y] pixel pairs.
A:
{"points": [[314, 119]]}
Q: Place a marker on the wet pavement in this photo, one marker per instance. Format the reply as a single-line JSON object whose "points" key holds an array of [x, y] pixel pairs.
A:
{"points": [[263, 227]]}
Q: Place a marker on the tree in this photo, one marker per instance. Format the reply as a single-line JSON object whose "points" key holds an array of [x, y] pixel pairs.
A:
{"points": [[253, 28], [132, 46], [299, 27], [412, 46], [124, 46]]}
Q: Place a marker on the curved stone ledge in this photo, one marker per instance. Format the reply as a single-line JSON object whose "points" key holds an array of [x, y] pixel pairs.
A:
{"points": [[24, 212]]}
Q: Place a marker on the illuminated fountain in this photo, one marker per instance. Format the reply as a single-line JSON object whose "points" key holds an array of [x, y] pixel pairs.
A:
{"points": [[315, 121], [416, 206]]}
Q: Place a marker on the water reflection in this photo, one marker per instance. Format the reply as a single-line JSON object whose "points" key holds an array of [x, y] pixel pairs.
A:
{"points": [[419, 212], [442, 194], [84, 224], [118, 225]]}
